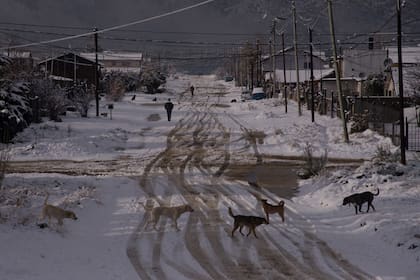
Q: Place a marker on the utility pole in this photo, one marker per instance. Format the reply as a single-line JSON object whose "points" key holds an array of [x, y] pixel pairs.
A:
{"points": [[274, 57], [240, 67], [96, 73], [337, 72], [312, 75], [284, 74], [74, 69], [400, 85], [257, 44], [296, 58]]}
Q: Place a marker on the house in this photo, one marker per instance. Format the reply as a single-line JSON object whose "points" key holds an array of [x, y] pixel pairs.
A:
{"points": [[411, 64], [360, 63], [350, 86], [320, 66], [68, 68], [117, 61]]}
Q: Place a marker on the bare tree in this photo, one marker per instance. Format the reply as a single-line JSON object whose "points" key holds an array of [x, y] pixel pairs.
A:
{"points": [[81, 97], [52, 98]]}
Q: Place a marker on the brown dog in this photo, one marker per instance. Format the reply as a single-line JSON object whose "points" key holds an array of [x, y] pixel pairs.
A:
{"points": [[55, 212], [272, 209]]}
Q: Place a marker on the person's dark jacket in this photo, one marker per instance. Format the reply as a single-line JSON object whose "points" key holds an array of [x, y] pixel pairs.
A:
{"points": [[169, 106]]}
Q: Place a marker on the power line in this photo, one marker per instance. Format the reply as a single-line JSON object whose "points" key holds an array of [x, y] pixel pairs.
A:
{"points": [[139, 31], [114, 27]]}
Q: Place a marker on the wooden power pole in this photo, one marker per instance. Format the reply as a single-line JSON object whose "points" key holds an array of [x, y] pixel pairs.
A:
{"points": [[400, 85], [284, 73], [312, 75], [96, 73], [296, 58], [274, 57], [337, 72]]}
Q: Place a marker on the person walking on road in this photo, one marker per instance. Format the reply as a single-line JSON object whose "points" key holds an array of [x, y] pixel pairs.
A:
{"points": [[192, 90], [168, 107]]}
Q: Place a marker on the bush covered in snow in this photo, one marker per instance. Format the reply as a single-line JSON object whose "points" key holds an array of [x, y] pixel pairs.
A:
{"points": [[15, 111], [151, 78], [52, 98], [116, 84]]}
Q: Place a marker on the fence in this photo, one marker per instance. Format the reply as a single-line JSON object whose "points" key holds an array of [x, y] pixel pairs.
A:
{"points": [[392, 130]]}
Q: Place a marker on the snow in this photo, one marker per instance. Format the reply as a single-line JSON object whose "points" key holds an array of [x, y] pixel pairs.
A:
{"points": [[380, 243]]}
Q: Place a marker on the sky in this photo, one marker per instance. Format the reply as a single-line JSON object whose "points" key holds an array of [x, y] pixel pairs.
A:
{"points": [[99, 178], [243, 20]]}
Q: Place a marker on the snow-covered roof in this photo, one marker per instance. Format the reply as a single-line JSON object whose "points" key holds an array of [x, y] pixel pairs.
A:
{"points": [[123, 69], [109, 55], [410, 55], [304, 75], [17, 54], [59, 78]]}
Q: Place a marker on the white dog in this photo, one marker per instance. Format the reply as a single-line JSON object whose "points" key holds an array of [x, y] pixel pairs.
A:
{"points": [[171, 212]]}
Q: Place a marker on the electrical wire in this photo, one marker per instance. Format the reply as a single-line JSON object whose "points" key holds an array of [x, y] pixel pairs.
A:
{"points": [[114, 27]]}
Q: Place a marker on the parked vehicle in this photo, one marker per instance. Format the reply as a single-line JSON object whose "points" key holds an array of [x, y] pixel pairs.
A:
{"points": [[228, 78], [258, 93]]}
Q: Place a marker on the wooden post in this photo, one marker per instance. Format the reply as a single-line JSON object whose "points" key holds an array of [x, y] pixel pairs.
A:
{"points": [[284, 74], [400, 83], [96, 73], [312, 76], [296, 58], [337, 72]]}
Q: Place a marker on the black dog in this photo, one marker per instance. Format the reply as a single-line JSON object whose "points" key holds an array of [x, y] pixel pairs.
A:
{"points": [[358, 199]]}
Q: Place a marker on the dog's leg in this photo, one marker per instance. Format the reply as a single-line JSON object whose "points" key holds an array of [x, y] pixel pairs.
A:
{"points": [[268, 217], [360, 208], [253, 230], [235, 227], [249, 231], [370, 205], [240, 229], [355, 208], [176, 224], [281, 214]]}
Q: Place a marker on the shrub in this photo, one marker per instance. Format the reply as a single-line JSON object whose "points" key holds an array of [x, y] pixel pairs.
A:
{"points": [[152, 79], [383, 154], [313, 166]]}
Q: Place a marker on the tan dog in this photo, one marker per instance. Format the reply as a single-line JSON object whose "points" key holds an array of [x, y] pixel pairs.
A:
{"points": [[171, 212], [272, 209], [55, 212]]}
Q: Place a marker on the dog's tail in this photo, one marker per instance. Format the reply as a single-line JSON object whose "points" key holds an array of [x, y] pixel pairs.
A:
{"points": [[46, 198], [281, 203], [377, 193], [231, 213]]}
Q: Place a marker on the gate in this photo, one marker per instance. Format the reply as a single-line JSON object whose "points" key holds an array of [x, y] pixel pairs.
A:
{"points": [[412, 134]]}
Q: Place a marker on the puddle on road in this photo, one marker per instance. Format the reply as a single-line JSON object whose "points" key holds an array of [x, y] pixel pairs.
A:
{"points": [[153, 117], [278, 177]]}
